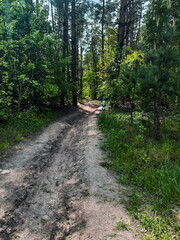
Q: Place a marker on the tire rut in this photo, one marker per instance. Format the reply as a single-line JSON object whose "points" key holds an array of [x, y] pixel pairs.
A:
{"points": [[52, 180], [52, 187]]}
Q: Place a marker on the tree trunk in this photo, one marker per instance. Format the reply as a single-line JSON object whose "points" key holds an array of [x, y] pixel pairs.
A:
{"points": [[121, 32], [131, 32], [65, 43], [81, 76], [132, 118], [74, 70], [77, 59], [31, 3], [68, 70], [102, 30], [52, 16], [127, 35], [94, 63], [121, 26], [139, 28]]}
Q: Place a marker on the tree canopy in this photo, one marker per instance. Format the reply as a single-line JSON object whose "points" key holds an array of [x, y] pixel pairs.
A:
{"points": [[58, 52]]}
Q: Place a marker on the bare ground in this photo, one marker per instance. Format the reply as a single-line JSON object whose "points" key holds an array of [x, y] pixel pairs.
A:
{"points": [[53, 188]]}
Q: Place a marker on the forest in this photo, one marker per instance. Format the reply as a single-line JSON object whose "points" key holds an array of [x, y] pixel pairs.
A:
{"points": [[56, 53]]}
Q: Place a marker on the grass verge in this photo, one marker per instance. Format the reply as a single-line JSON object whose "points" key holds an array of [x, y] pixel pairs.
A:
{"points": [[26, 123], [152, 167]]}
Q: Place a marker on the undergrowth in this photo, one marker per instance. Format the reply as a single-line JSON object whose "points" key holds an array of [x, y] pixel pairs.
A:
{"points": [[149, 165], [18, 127]]}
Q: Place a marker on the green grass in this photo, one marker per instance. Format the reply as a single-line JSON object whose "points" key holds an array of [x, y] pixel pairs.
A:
{"points": [[122, 226], [149, 165], [26, 123], [156, 224]]}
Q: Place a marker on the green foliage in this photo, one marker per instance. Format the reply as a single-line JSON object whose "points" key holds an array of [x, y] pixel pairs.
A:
{"points": [[148, 165], [97, 71], [126, 84], [90, 86], [157, 74], [152, 166], [30, 57], [16, 128], [121, 226], [156, 224]]}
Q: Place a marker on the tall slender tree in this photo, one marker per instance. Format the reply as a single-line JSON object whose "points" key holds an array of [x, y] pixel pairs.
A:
{"points": [[52, 15], [65, 42], [102, 30], [74, 52]]}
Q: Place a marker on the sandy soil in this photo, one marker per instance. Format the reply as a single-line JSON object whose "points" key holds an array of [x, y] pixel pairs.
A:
{"points": [[52, 186]]}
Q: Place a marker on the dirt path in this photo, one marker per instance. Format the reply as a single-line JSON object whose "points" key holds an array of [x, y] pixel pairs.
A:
{"points": [[52, 186]]}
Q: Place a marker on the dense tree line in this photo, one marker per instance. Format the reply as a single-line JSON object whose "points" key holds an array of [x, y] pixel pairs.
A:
{"points": [[140, 61], [39, 58], [28, 51], [56, 51]]}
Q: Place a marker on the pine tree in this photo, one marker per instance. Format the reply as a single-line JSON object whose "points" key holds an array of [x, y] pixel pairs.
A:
{"points": [[157, 75]]}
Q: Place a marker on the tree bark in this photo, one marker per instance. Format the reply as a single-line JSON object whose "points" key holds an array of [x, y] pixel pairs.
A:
{"points": [[94, 64], [102, 30], [131, 31], [81, 76], [121, 32], [77, 59], [74, 70], [65, 42], [139, 28], [52, 16]]}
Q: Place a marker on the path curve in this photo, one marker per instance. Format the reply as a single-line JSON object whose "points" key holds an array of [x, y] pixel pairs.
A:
{"points": [[52, 186]]}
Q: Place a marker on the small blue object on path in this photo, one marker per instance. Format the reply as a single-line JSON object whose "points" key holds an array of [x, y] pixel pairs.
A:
{"points": [[103, 104]]}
